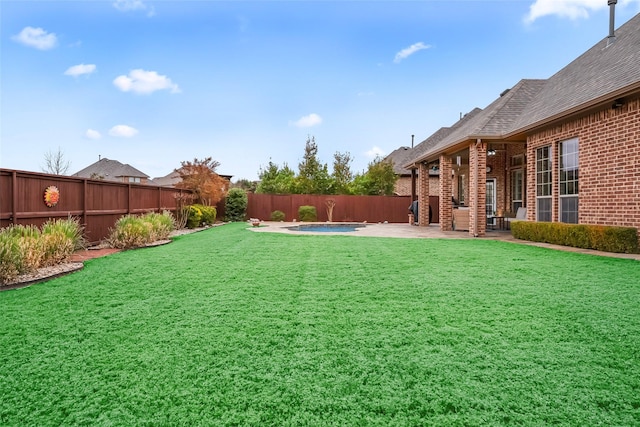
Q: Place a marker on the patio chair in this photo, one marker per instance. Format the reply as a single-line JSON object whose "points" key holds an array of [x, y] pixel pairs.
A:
{"points": [[521, 215]]}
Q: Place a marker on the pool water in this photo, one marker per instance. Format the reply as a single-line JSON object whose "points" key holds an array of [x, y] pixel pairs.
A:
{"points": [[331, 228]]}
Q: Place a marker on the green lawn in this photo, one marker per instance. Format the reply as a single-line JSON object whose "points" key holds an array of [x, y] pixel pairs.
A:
{"points": [[232, 327]]}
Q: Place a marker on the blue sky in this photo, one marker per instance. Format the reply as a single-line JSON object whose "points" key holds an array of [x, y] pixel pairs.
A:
{"points": [[153, 83]]}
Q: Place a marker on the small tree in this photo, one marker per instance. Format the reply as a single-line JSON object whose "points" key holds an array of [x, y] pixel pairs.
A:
{"points": [[342, 175], [55, 163], [201, 178], [313, 176], [276, 180], [379, 180], [236, 204], [330, 204]]}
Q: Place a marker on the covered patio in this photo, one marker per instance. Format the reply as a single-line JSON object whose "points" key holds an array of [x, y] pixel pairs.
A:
{"points": [[482, 172]]}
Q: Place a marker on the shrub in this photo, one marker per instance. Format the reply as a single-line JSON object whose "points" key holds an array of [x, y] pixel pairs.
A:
{"points": [[277, 216], [208, 214], [60, 238], [10, 257], [599, 237], [130, 231], [307, 213], [236, 204], [26, 248], [195, 217], [161, 224]]}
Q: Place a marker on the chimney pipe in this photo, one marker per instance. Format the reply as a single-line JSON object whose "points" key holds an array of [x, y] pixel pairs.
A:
{"points": [[612, 19]]}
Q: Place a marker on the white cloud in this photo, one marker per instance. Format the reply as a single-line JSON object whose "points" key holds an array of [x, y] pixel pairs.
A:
{"points": [[408, 51], [145, 82], [92, 134], [123, 131], [375, 152], [36, 37], [308, 121], [133, 5], [572, 9], [80, 69]]}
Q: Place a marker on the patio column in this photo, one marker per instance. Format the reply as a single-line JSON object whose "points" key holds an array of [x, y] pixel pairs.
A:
{"points": [[477, 188], [423, 195], [446, 210]]}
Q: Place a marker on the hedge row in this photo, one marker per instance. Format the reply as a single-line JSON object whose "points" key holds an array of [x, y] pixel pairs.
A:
{"points": [[599, 237]]}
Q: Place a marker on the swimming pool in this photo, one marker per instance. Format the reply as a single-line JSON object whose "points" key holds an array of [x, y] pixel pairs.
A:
{"points": [[326, 228]]}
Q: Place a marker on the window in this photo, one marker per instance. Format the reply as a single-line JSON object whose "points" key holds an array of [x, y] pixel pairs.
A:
{"points": [[517, 183], [568, 181], [543, 184], [134, 179]]}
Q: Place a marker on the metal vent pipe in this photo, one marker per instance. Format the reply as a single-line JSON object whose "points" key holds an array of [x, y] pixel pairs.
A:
{"points": [[612, 21]]}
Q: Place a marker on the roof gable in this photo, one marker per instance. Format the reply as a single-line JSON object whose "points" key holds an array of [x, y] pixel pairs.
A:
{"points": [[110, 170]]}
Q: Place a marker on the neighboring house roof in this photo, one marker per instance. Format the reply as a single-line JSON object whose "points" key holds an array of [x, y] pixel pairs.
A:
{"points": [[173, 178], [398, 158], [169, 180], [110, 170], [601, 73]]}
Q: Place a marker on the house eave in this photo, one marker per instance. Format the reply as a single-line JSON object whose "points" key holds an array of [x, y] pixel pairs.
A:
{"points": [[594, 104]]}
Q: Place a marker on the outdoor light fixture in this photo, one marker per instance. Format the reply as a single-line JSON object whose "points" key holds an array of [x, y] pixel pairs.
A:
{"points": [[617, 103], [491, 152]]}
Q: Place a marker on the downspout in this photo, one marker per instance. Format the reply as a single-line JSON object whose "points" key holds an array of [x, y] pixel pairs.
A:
{"points": [[476, 177]]}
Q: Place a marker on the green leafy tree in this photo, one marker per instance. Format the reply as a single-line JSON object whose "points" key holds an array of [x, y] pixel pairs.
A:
{"points": [[246, 185], [276, 180], [342, 175], [236, 204], [378, 180], [313, 176]]}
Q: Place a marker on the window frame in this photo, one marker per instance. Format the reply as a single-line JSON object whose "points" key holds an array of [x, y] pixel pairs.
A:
{"points": [[544, 183], [568, 179]]}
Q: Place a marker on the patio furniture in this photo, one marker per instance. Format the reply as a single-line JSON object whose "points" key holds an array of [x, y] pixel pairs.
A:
{"points": [[461, 219], [521, 215]]}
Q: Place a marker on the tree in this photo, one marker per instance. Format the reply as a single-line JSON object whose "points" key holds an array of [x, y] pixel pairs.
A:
{"points": [[236, 204], [379, 180], [201, 178], [276, 180], [342, 175], [313, 176], [246, 185], [55, 163]]}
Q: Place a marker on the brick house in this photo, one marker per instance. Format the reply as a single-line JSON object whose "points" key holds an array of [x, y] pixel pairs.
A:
{"points": [[566, 148], [398, 158], [113, 170]]}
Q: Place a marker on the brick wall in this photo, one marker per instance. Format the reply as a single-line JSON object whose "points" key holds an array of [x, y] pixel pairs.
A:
{"points": [[477, 216], [403, 186], [445, 194], [609, 161]]}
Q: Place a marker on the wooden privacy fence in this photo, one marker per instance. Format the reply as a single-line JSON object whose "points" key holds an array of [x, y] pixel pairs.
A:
{"points": [[347, 208], [98, 204]]}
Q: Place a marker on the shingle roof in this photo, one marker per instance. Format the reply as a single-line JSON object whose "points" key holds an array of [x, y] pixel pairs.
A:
{"points": [[110, 170], [169, 180], [493, 121], [399, 157], [436, 137], [599, 72]]}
